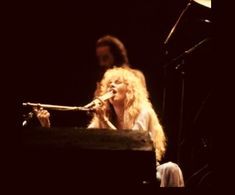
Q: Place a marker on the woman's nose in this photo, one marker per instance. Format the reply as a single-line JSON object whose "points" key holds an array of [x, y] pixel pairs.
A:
{"points": [[111, 87]]}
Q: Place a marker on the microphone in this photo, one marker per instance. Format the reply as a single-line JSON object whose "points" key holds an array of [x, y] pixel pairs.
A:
{"points": [[99, 101]]}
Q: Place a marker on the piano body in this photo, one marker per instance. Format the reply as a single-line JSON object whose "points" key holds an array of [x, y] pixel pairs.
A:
{"points": [[78, 156]]}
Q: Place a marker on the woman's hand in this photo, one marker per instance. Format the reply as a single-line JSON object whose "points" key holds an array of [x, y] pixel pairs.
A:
{"points": [[43, 117], [100, 113], [102, 116]]}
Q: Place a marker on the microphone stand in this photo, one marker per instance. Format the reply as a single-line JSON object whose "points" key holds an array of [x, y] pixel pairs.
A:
{"points": [[50, 107], [166, 52], [180, 60], [56, 107], [177, 22], [177, 67], [184, 54]]}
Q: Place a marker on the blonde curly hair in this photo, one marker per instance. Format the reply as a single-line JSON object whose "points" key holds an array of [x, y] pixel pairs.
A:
{"points": [[137, 98]]}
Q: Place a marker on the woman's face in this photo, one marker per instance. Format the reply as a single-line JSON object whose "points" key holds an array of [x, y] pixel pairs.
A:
{"points": [[119, 87]]}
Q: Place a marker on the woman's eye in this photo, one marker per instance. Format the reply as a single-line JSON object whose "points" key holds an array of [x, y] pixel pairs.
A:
{"points": [[118, 82]]}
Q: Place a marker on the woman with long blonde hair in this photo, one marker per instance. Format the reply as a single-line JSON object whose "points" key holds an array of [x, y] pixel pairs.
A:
{"points": [[130, 107]]}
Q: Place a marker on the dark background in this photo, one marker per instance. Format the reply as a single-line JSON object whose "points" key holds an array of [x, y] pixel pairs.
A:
{"points": [[56, 64]]}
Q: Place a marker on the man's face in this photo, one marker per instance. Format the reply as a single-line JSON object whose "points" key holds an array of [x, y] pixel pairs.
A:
{"points": [[104, 56]]}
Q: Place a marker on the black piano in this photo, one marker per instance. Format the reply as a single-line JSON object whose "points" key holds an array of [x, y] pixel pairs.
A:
{"points": [[82, 156]]}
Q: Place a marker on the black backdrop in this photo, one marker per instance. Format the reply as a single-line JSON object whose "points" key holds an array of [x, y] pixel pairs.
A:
{"points": [[57, 65]]}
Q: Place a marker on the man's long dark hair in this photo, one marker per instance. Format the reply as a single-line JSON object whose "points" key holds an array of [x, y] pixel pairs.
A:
{"points": [[116, 48]]}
